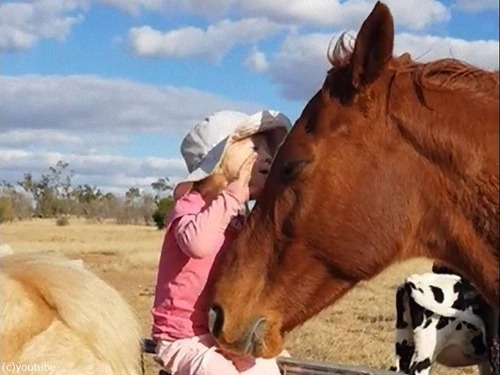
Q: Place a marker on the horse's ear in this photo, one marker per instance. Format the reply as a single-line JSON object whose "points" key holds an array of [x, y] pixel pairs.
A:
{"points": [[373, 47]]}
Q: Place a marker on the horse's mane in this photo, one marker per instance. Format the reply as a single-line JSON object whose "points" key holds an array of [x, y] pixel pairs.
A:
{"points": [[441, 75], [86, 307]]}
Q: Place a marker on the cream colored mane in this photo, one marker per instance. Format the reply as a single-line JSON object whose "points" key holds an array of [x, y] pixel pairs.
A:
{"points": [[56, 312]]}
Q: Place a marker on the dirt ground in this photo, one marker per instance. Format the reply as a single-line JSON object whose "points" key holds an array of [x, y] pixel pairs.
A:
{"points": [[357, 330]]}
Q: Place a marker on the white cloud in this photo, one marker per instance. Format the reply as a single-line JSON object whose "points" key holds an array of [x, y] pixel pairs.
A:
{"points": [[420, 16], [256, 62], [324, 13], [23, 24], [84, 120], [300, 65], [482, 53], [214, 9], [47, 138], [272, 16], [133, 6], [343, 14], [477, 5], [93, 104], [212, 43], [108, 172]]}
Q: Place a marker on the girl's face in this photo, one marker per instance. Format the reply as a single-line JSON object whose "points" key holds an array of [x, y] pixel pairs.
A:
{"points": [[241, 151]]}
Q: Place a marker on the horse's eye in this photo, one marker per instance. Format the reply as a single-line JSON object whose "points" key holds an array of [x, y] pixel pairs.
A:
{"points": [[311, 124], [292, 169]]}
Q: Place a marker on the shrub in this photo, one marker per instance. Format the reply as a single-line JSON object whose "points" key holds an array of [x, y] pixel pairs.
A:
{"points": [[6, 211], [162, 210], [62, 221]]}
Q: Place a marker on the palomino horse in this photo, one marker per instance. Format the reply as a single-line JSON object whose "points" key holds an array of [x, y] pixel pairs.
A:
{"points": [[60, 319], [390, 160]]}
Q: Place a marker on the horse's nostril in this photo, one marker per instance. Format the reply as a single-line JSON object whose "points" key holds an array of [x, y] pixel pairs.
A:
{"points": [[215, 320]]}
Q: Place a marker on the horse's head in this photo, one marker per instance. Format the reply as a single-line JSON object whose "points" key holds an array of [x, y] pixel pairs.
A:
{"points": [[339, 205]]}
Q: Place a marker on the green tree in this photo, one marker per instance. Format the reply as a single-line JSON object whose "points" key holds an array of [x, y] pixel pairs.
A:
{"points": [[19, 201], [162, 187], [88, 200], [163, 208], [52, 193], [60, 179], [132, 195], [42, 194]]}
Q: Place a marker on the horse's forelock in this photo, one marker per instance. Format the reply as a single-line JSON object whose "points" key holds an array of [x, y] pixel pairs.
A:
{"points": [[340, 54]]}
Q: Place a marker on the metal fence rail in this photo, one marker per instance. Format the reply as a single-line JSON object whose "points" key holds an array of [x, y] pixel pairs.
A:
{"points": [[297, 366]]}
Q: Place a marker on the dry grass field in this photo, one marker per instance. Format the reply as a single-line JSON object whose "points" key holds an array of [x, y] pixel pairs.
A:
{"points": [[358, 330]]}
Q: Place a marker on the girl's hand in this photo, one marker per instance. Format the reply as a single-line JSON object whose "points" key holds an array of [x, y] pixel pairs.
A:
{"points": [[242, 363], [245, 172], [259, 175]]}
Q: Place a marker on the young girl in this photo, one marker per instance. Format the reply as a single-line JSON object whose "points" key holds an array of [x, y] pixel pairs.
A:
{"points": [[228, 155]]}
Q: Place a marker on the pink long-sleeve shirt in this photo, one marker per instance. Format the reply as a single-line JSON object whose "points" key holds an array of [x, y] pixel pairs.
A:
{"points": [[196, 235]]}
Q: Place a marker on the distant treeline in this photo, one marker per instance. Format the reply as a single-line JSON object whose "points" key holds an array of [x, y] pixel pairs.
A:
{"points": [[54, 196]]}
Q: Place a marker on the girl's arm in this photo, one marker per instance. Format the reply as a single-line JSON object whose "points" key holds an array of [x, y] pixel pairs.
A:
{"points": [[202, 234]]}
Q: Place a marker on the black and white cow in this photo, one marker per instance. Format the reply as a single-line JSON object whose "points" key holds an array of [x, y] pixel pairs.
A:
{"points": [[439, 318]]}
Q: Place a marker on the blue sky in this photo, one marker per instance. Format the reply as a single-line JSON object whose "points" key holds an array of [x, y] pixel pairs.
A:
{"points": [[112, 86]]}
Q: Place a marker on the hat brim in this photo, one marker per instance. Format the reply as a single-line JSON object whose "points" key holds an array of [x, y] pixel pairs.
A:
{"points": [[272, 122], [209, 163]]}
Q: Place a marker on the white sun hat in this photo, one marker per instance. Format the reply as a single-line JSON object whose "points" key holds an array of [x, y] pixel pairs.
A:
{"points": [[204, 146]]}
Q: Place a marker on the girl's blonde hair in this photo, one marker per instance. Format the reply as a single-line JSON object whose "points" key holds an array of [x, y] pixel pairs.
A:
{"points": [[212, 186]]}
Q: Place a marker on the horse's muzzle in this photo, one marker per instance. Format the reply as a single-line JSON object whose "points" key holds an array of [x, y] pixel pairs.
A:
{"points": [[248, 343]]}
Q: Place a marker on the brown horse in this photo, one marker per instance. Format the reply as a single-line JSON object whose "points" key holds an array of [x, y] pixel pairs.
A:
{"points": [[390, 160]]}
